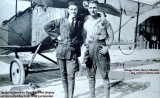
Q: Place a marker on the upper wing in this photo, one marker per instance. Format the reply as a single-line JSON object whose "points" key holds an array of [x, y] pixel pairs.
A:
{"points": [[103, 7], [130, 7]]}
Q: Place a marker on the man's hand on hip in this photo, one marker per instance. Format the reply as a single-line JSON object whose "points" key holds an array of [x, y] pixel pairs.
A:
{"points": [[104, 49]]}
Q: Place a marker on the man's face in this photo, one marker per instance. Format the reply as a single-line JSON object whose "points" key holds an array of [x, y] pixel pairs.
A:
{"points": [[92, 8], [72, 10]]}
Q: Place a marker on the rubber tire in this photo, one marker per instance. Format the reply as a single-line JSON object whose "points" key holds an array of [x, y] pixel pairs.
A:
{"points": [[17, 72]]}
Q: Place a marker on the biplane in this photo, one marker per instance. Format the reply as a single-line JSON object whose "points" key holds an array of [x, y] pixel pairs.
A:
{"points": [[24, 31]]}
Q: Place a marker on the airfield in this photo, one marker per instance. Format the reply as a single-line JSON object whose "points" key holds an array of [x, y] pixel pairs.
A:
{"points": [[131, 76]]}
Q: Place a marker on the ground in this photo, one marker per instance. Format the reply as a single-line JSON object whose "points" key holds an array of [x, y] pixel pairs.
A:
{"points": [[131, 76]]}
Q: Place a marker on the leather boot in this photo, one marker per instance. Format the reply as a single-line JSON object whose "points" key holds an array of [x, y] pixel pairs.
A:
{"points": [[71, 84], [65, 87], [106, 88], [92, 87]]}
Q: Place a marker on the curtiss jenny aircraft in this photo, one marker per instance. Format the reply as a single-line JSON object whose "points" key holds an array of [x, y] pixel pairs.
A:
{"points": [[18, 72]]}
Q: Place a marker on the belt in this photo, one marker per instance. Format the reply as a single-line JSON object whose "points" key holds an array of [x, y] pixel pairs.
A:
{"points": [[96, 41]]}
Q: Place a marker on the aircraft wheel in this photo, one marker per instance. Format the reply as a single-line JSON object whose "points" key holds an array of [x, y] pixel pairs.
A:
{"points": [[17, 72]]}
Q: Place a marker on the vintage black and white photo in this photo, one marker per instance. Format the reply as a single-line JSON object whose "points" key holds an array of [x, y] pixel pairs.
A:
{"points": [[80, 49]]}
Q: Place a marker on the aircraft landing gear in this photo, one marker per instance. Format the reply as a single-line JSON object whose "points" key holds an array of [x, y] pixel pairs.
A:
{"points": [[17, 72]]}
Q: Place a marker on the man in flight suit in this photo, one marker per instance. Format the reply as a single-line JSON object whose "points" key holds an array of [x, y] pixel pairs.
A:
{"points": [[98, 38], [68, 49]]}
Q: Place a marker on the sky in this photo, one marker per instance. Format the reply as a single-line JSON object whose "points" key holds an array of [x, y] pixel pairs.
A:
{"points": [[7, 8]]}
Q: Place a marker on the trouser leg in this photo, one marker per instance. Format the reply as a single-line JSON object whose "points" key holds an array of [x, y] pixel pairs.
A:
{"points": [[65, 87], [92, 82], [71, 84], [71, 69], [106, 87], [63, 70], [104, 68]]}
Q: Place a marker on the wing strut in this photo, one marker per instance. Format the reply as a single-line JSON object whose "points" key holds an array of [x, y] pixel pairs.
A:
{"points": [[16, 8], [137, 23], [120, 26], [135, 31]]}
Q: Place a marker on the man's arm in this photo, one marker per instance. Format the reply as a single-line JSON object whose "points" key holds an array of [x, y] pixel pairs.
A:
{"points": [[84, 36], [52, 28], [108, 28], [84, 32], [110, 37]]}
